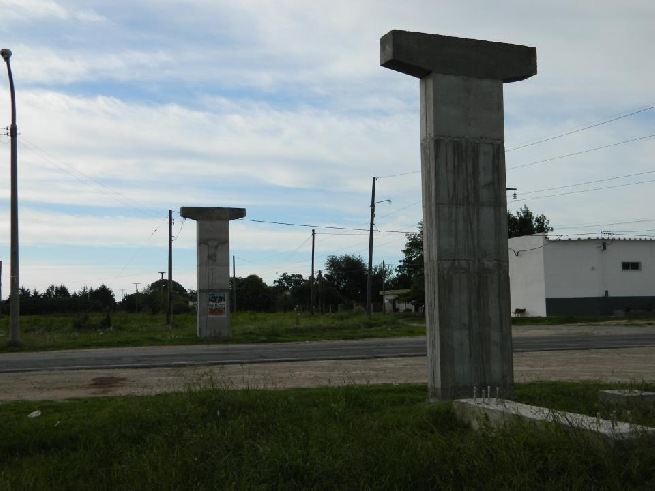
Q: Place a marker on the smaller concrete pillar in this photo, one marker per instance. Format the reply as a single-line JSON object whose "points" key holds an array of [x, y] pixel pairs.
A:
{"points": [[213, 296]]}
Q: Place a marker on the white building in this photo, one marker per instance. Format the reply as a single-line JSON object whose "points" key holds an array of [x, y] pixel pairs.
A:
{"points": [[391, 302], [600, 276]]}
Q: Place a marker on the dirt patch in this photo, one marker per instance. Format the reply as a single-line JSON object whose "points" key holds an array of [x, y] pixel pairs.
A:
{"points": [[620, 365], [104, 385]]}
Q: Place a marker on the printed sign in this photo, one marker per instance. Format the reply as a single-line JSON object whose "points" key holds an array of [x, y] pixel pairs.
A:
{"points": [[217, 304]]}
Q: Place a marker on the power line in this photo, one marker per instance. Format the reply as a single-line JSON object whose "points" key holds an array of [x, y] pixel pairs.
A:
{"points": [[523, 193], [560, 135], [86, 179], [399, 209], [399, 175], [588, 190], [583, 128], [329, 227], [141, 247], [638, 220], [181, 227], [583, 151]]}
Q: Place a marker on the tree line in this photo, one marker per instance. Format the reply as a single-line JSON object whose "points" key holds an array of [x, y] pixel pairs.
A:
{"points": [[341, 284], [57, 299], [410, 273]]}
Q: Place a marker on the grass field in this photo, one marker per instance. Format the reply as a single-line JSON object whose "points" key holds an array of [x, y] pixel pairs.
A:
{"points": [[54, 332], [375, 437]]}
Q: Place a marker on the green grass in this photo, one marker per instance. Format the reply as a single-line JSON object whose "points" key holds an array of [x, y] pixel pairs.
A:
{"points": [[55, 332], [374, 437]]}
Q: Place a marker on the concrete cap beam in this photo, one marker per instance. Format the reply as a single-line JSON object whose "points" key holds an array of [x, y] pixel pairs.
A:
{"points": [[211, 213], [419, 54]]}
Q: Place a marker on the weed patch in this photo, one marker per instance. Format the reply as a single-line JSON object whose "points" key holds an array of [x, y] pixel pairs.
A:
{"points": [[55, 332]]}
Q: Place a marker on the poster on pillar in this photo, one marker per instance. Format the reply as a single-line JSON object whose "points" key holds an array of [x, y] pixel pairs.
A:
{"points": [[217, 304]]}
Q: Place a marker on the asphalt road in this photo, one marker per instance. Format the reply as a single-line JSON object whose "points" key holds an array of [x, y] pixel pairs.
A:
{"points": [[525, 339]]}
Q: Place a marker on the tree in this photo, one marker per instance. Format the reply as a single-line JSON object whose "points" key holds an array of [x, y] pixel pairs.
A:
{"points": [[411, 264], [328, 298], [410, 271], [253, 295], [288, 282], [154, 298], [102, 297], [523, 222], [56, 292], [292, 290], [347, 274]]}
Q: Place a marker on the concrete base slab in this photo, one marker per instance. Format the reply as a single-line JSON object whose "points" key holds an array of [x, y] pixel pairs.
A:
{"points": [[627, 398], [498, 412]]}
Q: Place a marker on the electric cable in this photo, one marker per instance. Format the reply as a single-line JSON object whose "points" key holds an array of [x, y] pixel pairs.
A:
{"points": [[582, 152], [583, 128]]}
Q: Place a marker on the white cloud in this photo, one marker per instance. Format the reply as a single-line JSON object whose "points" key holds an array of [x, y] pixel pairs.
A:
{"points": [[127, 108], [27, 10]]}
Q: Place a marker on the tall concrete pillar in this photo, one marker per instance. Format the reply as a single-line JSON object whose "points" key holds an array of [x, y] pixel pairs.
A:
{"points": [[467, 300], [213, 267]]}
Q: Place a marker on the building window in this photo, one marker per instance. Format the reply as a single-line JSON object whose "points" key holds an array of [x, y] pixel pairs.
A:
{"points": [[630, 266]]}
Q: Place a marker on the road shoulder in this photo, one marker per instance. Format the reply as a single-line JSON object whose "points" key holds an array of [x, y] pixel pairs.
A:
{"points": [[621, 365]]}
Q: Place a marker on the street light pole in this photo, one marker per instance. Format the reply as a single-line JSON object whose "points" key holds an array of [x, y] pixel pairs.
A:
{"points": [[14, 304], [369, 279]]}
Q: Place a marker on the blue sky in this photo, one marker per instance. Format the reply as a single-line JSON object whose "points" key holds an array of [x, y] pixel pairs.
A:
{"points": [[129, 109]]}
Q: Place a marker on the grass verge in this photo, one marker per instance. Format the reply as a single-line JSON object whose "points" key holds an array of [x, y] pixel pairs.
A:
{"points": [[56, 332], [373, 437]]}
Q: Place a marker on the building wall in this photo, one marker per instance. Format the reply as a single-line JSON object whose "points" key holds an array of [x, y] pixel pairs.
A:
{"points": [[526, 274], [589, 268], [585, 277], [390, 301], [580, 277], [575, 269]]}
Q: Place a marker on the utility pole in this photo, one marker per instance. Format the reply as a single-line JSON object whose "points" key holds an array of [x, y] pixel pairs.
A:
{"points": [[136, 298], [161, 289], [320, 291], [122, 294], [14, 303], [311, 284], [169, 310], [384, 277], [369, 280], [234, 285]]}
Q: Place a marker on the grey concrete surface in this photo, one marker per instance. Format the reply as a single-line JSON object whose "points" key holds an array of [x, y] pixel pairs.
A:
{"points": [[618, 365], [464, 203], [498, 412], [419, 54], [525, 339], [213, 266], [627, 398]]}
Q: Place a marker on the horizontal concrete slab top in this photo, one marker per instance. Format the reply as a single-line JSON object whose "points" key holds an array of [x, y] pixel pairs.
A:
{"points": [[419, 54], [499, 411], [211, 213]]}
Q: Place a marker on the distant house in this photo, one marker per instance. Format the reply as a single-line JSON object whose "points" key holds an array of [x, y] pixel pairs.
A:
{"points": [[390, 302], [601, 276]]}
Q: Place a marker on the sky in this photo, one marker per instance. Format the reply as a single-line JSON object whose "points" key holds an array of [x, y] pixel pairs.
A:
{"points": [[128, 109]]}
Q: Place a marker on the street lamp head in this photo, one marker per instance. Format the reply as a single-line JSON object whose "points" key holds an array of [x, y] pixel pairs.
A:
{"points": [[6, 54]]}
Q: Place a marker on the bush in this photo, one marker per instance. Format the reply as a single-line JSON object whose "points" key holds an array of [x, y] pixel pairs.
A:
{"points": [[105, 322], [82, 322]]}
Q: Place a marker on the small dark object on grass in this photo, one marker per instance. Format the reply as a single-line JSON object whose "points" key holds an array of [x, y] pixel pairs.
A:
{"points": [[105, 322], [82, 322]]}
